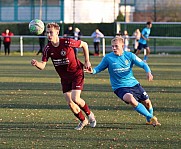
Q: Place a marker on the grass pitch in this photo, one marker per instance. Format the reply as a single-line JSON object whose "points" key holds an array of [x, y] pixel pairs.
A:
{"points": [[34, 114]]}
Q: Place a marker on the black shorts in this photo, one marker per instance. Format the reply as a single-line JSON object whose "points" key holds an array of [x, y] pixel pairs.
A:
{"points": [[142, 46], [137, 91]]}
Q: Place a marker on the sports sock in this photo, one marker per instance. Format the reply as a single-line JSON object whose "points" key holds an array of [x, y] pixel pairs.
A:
{"points": [[86, 109], [140, 108], [151, 112], [80, 116], [145, 58]]}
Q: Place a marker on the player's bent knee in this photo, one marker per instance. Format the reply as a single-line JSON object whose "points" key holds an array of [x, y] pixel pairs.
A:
{"points": [[148, 103], [71, 105], [75, 108], [129, 99], [76, 100], [148, 50]]}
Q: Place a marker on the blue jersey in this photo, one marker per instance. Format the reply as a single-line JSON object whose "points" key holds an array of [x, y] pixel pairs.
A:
{"points": [[145, 32], [120, 69]]}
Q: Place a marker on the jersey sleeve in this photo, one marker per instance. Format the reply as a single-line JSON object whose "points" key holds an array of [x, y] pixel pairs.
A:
{"points": [[45, 55], [102, 66], [138, 62]]}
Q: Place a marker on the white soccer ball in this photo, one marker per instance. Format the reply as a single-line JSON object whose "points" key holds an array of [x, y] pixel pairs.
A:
{"points": [[36, 27]]}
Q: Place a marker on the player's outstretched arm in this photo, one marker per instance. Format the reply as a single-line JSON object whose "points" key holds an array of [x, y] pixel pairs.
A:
{"points": [[39, 65], [84, 45]]}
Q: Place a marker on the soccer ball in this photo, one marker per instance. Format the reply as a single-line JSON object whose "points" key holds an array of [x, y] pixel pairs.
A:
{"points": [[36, 27]]}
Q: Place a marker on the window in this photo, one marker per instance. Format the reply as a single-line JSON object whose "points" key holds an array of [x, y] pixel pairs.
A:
{"points": [[24, 2], [53, 2], [7, 3]]}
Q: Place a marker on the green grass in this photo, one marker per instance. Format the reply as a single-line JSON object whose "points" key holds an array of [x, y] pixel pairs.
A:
{"points": [[34, 114]]}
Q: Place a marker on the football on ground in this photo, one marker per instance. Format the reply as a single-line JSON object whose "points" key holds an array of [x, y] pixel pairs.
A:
{"points": [[36, 27]]}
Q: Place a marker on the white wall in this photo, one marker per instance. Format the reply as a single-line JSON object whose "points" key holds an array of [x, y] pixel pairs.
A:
{"points": [[91, 11]]}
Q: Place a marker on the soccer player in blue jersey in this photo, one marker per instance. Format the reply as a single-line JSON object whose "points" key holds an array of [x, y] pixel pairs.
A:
{"points": [[124, 84], [143, 41]]}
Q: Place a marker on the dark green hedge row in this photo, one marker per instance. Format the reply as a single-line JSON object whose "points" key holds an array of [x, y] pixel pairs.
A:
{"points": [[108, 29], [166, 30]]}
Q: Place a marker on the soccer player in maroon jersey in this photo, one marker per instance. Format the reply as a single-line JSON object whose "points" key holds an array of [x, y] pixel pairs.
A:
{"points": [[70, 70]]}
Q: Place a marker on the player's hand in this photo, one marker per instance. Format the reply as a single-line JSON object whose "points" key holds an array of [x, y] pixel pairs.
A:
{"points": [[149, 76], [33, 62], [89, 70], [87, 65]]}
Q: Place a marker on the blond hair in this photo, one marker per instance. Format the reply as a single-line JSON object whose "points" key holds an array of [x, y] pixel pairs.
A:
{"points": [[119, 39], [53, 25]]}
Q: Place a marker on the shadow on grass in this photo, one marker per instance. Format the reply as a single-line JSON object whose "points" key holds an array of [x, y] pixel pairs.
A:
{"points": [[87, 87], [111, 108], [29, 86], [64, 125]]}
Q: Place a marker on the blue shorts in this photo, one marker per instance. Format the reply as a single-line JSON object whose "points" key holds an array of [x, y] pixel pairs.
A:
{"points": [[137, 91], [142, 46]]}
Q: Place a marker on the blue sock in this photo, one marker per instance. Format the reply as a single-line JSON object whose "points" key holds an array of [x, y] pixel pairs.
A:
{"points": [[140, 108], [151, 112], [145, 57]]}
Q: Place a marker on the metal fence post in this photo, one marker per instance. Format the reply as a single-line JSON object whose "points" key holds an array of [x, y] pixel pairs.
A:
{"points": [[103, 47], [21, 45]]}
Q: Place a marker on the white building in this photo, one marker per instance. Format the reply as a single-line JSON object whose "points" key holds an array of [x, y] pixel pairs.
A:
{"points": [[91, 11]]}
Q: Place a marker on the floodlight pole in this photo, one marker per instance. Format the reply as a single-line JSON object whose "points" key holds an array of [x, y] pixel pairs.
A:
{"points": [[73, 13], [155, 11], [40, 13], [125, 27], [155, 19]]}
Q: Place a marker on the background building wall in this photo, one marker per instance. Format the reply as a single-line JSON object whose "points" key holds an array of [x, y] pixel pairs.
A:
{"points": [[152, 10], [90, 11], [67, 11]]}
